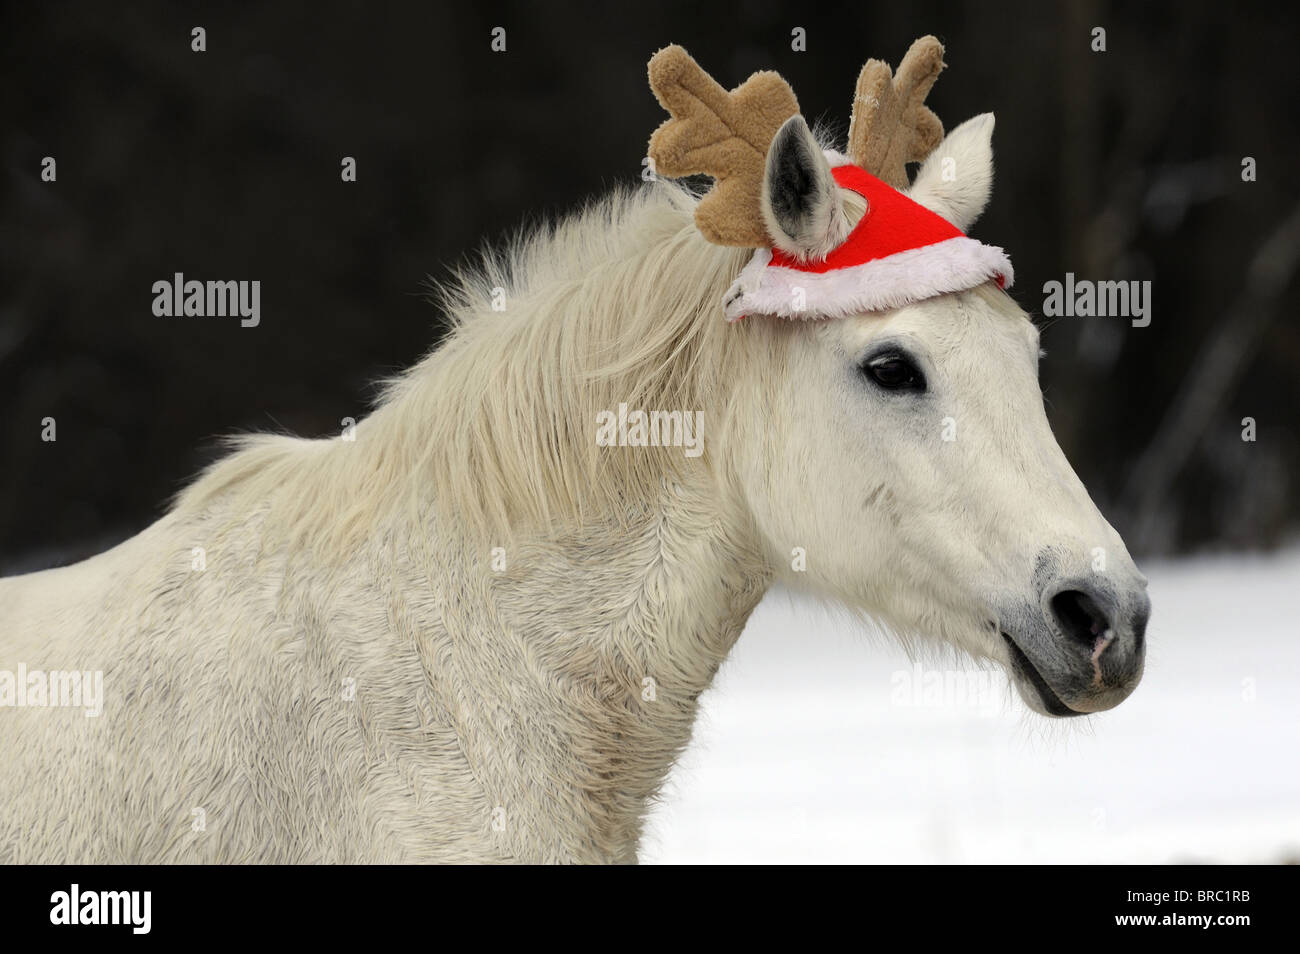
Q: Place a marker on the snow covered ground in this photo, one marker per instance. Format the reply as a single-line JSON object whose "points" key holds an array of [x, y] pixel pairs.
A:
{"points": [[822, 743]]}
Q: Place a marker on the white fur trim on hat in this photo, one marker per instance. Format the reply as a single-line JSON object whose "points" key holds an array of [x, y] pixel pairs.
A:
{"points": [[903, 278]]}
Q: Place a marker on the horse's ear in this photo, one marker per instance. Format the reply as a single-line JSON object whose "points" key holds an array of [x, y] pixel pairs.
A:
{"points": [[801, 202], [957, 178]]}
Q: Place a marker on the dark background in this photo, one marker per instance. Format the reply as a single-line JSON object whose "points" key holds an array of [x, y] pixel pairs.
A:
{"points": [[225, 165]]}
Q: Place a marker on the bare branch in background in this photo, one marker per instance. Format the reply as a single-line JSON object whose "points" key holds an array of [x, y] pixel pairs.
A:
{"points": [[1208, 386]]}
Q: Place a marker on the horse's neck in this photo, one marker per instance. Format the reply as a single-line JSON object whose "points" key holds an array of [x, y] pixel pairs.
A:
{"points": [[570, 663], [608, 638]]}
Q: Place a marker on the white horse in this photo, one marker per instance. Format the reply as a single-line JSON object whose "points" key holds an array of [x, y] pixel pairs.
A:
{"points": [[469, 631]]}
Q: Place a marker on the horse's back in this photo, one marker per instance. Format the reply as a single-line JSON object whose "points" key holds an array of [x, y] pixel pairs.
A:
{"points": [[54, 609], [256, 706], [47, 627]]}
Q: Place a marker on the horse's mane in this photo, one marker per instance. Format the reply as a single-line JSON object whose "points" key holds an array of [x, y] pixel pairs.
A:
{"points": [[620, 302]]}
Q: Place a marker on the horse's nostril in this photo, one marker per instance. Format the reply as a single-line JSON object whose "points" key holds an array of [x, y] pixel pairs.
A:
{"points": [[1079, 617]]}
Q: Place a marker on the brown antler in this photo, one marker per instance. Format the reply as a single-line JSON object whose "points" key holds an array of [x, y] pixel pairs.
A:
{"points": [[891, 124], [723, 134]]}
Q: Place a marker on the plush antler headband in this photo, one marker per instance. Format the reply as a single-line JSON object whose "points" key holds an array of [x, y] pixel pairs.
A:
{"points": [[725, 135], [897, 253]]}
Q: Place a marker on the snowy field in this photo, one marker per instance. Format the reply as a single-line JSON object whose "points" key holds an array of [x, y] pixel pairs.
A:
{"points": [[822, 743]]}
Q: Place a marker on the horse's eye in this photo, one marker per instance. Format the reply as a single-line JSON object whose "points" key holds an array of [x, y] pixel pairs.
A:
{"points": [[895, 371]]}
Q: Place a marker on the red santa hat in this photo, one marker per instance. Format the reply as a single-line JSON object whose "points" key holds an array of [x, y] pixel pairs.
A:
{"points": [[899, 253]]}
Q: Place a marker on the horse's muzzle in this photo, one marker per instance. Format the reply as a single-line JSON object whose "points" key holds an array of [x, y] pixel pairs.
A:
{"points": [[1085, 652]]}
